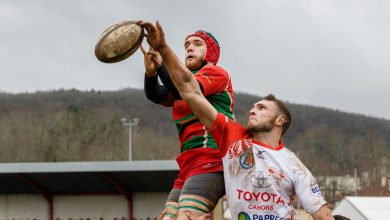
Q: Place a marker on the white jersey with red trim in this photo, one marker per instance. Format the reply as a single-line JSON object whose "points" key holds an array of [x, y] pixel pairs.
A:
{"points": [[260, 180]]}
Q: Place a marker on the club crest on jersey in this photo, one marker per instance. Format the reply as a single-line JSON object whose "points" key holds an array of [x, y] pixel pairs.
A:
{"points": [[246, 159], [260, 180], [238, 147]]}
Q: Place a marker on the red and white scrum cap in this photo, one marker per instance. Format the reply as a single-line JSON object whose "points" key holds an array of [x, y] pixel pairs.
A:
{"points": [[212, 45]]}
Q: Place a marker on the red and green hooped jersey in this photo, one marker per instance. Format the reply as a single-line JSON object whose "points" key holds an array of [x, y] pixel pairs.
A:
{"points": [[200, 153], [217, 89]]}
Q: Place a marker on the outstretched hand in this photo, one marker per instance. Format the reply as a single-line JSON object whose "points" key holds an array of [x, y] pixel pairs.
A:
{"points": [[152, 61], [155, 34]]}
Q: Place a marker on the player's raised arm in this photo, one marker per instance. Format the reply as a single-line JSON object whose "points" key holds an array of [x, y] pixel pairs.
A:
{"points": [[182, 78]]}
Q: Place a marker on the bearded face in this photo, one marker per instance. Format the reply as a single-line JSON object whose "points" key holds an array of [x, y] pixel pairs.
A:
{"points": [[265, 125]]}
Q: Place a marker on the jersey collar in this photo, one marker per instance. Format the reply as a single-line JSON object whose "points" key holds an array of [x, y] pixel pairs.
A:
{"points": [[279, 147]]}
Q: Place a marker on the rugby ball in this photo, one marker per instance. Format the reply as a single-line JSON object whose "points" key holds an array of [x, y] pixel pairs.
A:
{"points": [[119, 41]]}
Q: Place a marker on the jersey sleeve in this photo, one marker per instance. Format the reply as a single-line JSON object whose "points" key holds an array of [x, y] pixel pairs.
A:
{"points": [[225, 132], [167, 82], [157, 93], [213, 79], [308, 190]]}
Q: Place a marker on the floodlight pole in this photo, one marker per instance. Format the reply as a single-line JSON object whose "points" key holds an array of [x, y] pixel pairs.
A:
{"points": [[127, 122], [356, 181]]}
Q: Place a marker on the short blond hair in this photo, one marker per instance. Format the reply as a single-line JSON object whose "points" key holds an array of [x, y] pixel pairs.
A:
{"points": [[282, 108]]}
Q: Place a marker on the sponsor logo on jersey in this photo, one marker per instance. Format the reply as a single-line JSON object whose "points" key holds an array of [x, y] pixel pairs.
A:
{"points": [[259, 154], [277, 174], [243, 216], [260, 197], [246, 216], [260, 180], [260, 207], [246, 159], [315, 189], [266, 217]]}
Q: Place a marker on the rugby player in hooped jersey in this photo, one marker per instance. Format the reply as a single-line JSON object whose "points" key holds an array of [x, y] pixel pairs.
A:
{"points": [[200, 182], [261, 175]]}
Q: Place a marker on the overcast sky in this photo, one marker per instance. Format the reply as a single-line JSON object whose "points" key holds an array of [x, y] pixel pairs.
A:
{"points": [[329, 53]]}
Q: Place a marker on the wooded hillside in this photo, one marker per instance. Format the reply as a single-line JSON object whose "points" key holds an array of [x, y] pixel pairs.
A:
{"points": [[70, 125]]}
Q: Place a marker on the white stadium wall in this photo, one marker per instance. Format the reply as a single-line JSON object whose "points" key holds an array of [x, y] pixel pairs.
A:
{"points": [[93, 207], [148, 204], [99, 207], [23, 207]]}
